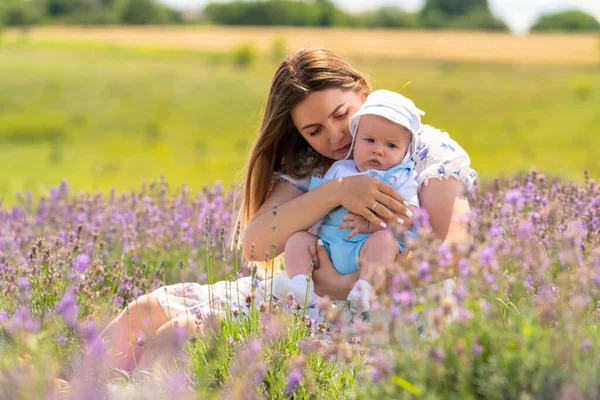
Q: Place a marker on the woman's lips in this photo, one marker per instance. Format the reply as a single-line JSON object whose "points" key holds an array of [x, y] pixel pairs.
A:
{"points": [[343, 149]]}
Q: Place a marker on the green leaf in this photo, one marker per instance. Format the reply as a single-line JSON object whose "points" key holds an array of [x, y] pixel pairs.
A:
{"points": [[404, 384]]}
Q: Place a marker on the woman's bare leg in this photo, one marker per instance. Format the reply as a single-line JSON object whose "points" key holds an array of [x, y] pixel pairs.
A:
{"points": [[170, 339], [138, 321]]}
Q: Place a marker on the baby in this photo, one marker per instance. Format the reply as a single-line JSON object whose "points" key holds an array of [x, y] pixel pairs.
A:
{"points": [[383, 139]]}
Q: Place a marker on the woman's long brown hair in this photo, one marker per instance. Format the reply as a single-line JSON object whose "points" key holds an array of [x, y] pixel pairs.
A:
{"points": [[279, 144]]}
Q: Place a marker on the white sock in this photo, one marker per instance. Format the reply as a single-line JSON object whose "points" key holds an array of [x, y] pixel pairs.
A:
{"points": [[282, 285], [360, 295], [301, 286]]}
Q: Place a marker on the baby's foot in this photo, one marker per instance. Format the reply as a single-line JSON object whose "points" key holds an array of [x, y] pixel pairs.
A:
{"points": [[303, 289], [360, 296], [282, 285]]}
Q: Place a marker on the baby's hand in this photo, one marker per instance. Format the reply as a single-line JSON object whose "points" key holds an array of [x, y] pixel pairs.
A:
{"points": [[357, 223]]}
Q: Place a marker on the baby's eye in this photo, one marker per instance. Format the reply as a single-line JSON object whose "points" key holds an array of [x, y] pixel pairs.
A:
{"points": [[369, 140], [392, 145]]}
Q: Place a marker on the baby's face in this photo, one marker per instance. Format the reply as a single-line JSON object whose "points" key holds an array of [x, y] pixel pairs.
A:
{"points": [[380, 143]]}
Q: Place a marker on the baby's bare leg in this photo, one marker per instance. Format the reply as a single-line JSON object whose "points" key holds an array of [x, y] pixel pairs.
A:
{"points": [[300, 249], [379, 251]]}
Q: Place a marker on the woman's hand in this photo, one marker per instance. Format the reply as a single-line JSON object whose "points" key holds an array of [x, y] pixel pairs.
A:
{"points": [[376, 201]]}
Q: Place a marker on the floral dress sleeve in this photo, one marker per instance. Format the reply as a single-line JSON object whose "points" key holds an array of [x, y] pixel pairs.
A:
{"points": [[438, 156], [301, 183]]}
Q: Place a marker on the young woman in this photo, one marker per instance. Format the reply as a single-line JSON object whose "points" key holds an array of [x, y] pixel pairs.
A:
{"points": [[305, 129]]}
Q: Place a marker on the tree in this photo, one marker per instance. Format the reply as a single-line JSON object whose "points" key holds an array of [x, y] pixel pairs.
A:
{"points": [[20, 13], [572, 20], [453, 8], [388, 17], [459, 14], [139, 12]]}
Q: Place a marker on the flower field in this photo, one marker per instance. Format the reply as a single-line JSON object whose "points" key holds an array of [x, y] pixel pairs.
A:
{"points": [[520, 322]]}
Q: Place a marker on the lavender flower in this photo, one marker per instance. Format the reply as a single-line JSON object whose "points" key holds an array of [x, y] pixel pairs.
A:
{"points": [[81, 263], [293, 381]]}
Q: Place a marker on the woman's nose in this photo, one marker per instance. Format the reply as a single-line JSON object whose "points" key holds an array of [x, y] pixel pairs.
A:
{"points": [[337, 135]]}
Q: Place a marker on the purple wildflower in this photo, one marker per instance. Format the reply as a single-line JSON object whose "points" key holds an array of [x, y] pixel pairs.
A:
{"points": [[487, 256], [437, 354], [81, 263], [67, 306], [513, 196], [293, 381], [24, 286]]}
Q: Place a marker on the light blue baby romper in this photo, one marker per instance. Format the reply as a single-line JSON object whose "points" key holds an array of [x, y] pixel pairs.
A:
{"points": [[344, 253]]}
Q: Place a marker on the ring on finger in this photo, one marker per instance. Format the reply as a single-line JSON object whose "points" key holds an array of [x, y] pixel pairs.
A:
{"points": [[374, 206]]}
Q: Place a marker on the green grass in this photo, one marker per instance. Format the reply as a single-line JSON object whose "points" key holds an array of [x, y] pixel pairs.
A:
{"points": [[104, 116]]}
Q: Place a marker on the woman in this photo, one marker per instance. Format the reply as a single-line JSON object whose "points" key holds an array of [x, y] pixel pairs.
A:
{"points": [[304, 130]]}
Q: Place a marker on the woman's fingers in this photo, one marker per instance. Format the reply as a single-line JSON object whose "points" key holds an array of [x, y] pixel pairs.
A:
{"points": [[322, 256], [374, 218], [393, 200], [376, 201], [312, 249]]}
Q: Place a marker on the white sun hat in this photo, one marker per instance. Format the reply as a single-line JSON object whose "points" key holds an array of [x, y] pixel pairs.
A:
{"points": [[391, 106]]}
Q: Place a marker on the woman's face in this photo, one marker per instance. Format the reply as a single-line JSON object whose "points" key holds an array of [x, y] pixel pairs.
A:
{"points": [[323, 119]]}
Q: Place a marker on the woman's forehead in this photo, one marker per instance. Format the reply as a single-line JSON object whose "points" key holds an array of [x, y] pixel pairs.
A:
{"points": [[319, 105]]}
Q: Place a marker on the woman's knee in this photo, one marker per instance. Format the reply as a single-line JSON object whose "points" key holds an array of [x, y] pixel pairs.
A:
{"points": [[148, 308]]}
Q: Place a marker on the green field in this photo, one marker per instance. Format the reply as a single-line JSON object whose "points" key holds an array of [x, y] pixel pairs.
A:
{"points": [[103, 116]]}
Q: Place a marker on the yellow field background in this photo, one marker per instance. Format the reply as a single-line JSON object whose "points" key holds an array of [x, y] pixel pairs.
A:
{"points": [[378, 43], [112, 107]]}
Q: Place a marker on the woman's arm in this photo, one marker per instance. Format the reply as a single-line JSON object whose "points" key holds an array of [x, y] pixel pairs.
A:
{"points": [[447, 205], [297, 211]]}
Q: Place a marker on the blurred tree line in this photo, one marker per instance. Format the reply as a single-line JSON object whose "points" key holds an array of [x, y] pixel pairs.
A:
{"points": [[572, 20], [86, 12], [436, 14]]}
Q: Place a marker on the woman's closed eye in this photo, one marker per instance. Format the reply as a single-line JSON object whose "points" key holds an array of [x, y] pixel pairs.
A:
{"points": [[315, 132], [342, 116]]}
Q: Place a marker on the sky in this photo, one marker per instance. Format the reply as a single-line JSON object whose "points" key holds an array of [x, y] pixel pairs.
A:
{"points": [[519, 15]]}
